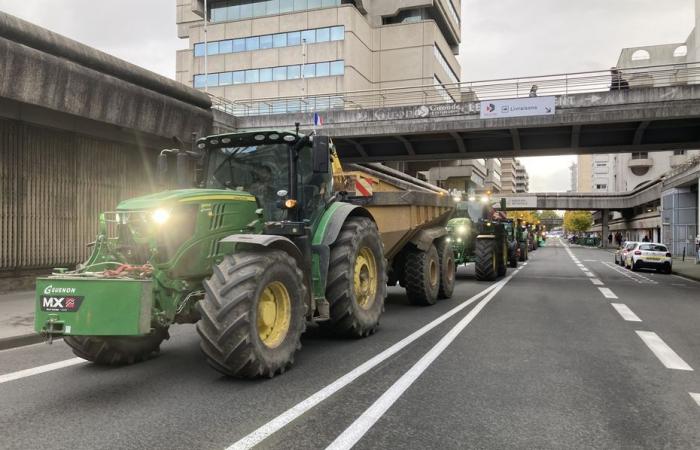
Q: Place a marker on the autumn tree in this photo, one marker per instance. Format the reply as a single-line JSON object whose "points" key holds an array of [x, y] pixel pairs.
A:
{"points": [[578, 221]]}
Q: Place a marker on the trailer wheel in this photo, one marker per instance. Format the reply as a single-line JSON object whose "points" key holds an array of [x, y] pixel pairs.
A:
{"points": [[446, 255], [486, 264], [423, 276], [117, 350], [357, 280], [253, 314], [523, 251]]}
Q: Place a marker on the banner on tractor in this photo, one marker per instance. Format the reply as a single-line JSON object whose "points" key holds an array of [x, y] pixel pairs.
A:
{"points": [[518, 107]]}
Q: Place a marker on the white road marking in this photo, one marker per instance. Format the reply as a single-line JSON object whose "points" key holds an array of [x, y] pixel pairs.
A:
{"points": [[634, 276], [684, 278], [596, 281], [359, 427], [590, 260], [588, 274], [279, 422], [607, 292], [525, 264], [666, 355], [695, 397], [625, 312], [40, 369]]}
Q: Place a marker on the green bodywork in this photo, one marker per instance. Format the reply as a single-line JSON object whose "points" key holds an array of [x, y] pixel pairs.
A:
{"points": [[168, 261]]}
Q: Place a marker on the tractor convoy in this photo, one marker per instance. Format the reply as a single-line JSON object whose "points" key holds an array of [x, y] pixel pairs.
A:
{"points": [[276, 235]]}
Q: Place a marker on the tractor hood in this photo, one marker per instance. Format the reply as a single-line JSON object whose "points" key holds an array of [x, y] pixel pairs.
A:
{"points": [[183, 196]]}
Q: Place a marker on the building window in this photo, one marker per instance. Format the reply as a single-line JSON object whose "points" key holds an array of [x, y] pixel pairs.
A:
{"points": [[442, 92], [601, 186], [640, 155], [293, 72], [279, 40], [679, 152], [445, 65], [453, 11], [222, 11]]}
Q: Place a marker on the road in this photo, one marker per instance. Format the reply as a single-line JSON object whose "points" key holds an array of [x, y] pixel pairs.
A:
{"points": [[561, 354]]}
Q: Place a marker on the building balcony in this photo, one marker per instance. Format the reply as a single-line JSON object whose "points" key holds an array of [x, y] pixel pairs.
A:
{"points": [[679, 160], [640, 167]]}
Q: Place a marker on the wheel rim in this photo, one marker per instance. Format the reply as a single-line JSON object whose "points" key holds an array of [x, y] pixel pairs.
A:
{"points": [[274, 314], [432, 268], [365, 278]]}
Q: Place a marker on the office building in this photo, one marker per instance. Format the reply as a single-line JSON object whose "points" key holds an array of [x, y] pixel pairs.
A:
{"points": [[522, 179], [508, 175], [267, 50]]}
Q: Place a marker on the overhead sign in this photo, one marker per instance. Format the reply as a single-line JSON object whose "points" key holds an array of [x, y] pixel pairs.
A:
{"points": [[521, 202], [518, 107]]}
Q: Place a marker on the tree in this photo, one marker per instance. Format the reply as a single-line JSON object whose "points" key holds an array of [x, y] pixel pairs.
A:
{"points": [[577, 221], [530, 217], [549, 215]]}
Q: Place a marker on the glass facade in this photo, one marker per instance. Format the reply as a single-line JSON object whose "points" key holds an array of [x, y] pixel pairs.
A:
{"points": [[308, 104], [223, 11], [279, 40], [445, 65], [282, 73]]}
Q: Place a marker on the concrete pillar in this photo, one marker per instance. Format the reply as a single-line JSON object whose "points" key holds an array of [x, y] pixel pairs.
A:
{"points": [[697, 224], [605, 230]]}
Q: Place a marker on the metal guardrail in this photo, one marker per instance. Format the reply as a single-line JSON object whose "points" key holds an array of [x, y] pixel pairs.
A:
{"points": [[547, 85]]}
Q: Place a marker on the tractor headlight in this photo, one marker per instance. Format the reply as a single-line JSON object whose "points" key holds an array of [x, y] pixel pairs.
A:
{"points": [[459, 239], [160, 216], [448, 240], [461, 229]]}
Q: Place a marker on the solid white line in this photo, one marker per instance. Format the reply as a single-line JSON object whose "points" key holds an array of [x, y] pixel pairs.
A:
{"points": [[607, 292], [41, 369], [695, 397], [684, 278], [596, 281], [359, 427], [279, 422], [625, 312], [666, 355]]}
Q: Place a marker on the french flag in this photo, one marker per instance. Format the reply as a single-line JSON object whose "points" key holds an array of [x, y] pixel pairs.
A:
{"points": [[318, 120]]}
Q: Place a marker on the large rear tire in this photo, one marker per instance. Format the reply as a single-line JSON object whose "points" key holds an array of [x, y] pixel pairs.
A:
{"points": [[446, 255], [503, 257], [486, 264], [117, 350], [422, 276], [513, 254], [253, 314], [357, 280], [523, 251]]}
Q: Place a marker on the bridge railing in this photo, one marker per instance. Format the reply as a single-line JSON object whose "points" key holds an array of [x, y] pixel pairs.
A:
{"points": [[432, 94]]}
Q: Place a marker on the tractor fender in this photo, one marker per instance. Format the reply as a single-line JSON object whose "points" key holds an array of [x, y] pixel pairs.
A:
{"points": [[268, 241], [423, 239], [325, 234]]}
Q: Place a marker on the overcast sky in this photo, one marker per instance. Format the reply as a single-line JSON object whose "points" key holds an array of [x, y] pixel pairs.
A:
{"points": [[500, 39]]}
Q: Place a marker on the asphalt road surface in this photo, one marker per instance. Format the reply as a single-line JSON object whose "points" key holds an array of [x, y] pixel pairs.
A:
{"points": [[569, 351]]}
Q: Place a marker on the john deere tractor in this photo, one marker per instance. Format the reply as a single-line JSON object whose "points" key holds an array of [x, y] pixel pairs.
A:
{"points": [[260, 248], [481, 235]]}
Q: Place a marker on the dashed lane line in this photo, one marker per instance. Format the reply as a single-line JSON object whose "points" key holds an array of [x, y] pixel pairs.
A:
{"points": [[296, 411], [40, 369], [666, 355], [695, 397], [588, 274], [607, 292], [596, 281], [625, 312], [362, 425]]}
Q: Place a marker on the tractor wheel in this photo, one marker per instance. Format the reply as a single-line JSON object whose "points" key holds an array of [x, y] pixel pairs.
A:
{"points": [[523, 251], [486, 264], [357, 280], [446, 256], [422, 276], [503, 258], [513, 255], [253, 314], [117, 350]]}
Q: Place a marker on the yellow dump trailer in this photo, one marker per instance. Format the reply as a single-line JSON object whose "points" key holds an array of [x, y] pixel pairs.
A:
{"points": [[411, 216]]}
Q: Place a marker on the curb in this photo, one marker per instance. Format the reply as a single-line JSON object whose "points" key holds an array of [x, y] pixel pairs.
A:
{"points": [[687, 277], [20, 341]]}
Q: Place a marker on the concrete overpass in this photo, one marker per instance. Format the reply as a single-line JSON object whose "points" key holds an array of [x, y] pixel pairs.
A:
{"points": [[660, 112]]}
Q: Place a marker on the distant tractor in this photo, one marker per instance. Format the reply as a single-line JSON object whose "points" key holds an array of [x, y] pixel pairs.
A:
{"points": [[272, 238], [481, 235]]}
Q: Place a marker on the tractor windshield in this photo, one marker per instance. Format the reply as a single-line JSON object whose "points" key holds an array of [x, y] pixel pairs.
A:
{"points": [[261, 170]]}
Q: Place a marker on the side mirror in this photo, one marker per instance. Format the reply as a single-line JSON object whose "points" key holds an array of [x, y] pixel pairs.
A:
{"points": [[321, 154]]}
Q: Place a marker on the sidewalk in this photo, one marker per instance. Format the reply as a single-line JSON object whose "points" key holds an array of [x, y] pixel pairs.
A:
{"points": [[17, 320], [687, 268]]}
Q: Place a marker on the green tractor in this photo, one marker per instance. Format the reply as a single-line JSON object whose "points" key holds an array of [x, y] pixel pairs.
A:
{"points": [[485, 237], [261, 248]]}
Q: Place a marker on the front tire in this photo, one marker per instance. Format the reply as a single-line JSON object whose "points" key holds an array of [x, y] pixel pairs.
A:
{"points": [[357, 280], [503, 258], [253, 314], [448, 269], [486, 264], [523, 251], [117, 350], [422, 276]]}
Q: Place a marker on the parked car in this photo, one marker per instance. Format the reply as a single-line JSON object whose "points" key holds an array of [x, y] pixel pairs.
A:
{"points": [[621, 252], [649, 254]]}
